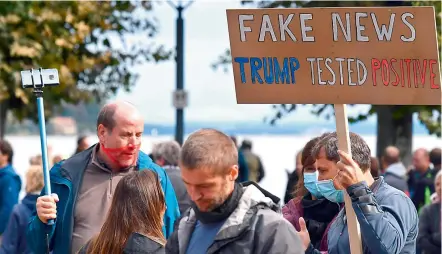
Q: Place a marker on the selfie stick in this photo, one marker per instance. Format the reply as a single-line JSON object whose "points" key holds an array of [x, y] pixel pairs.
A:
{"points": [[45, 77]]}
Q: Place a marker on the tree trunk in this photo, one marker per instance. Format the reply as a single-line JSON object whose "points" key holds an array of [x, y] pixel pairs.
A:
{"points": [[397, 132], [3, 111]]}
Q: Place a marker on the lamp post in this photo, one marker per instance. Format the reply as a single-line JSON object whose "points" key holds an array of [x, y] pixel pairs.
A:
{"points": [[179, 95]]}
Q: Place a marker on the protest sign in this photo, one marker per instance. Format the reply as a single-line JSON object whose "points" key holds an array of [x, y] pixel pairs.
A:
{"points": [[385, 56], [382, 55]]}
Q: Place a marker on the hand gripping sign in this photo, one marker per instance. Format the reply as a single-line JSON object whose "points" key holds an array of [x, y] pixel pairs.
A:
{"points": [[381, 56], [37, 80]]}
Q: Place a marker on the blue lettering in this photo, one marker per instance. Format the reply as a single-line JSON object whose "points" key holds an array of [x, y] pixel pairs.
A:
{"points": [[255, 65], [268, 70], [242, 61], [293, 68], [281, 74], [273, 71]]}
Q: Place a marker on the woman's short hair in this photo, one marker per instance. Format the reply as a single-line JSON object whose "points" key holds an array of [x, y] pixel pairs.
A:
{"points": [[34, 179]]}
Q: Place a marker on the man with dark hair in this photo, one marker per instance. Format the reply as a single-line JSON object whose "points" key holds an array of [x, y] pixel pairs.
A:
{"points": [[7, 153], [254, 164], [10, 184], [83, 185], [387, 218], [395, 172], [82, 144], [226, 216], [435, 159]]}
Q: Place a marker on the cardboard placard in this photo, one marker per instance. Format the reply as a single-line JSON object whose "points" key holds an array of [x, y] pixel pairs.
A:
{"points": [[383, 55]]}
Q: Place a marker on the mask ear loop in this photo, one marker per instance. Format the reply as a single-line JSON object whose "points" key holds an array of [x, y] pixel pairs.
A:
{"points": [[317, 174], [333, 179]]}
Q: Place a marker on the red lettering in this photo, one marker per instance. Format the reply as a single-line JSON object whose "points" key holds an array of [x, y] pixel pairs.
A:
{"points": [[424, 72], [433, 75], [407, 62], [375, 65], [396, 82], [407, 66], [402, 73], [385, 72], [416, 85], [419, 73]]}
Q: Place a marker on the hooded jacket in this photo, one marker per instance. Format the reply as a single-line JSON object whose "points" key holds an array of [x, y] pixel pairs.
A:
{"points": [[14, 237], [10, 186], [255, 226], [396, 176]]}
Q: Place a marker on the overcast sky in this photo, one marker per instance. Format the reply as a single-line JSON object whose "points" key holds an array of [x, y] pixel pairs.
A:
{"points": [[211, 92]]}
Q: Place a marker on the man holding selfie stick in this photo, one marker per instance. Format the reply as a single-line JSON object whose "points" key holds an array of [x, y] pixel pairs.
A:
{"points": [[84, 184]]}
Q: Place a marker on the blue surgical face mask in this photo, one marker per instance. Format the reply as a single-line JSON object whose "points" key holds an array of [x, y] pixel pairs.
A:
{"points": [[310, 181], [329, 191]]}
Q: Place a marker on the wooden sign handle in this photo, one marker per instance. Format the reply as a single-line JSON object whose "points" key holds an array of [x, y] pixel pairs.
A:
{"points": [[354, 233]]}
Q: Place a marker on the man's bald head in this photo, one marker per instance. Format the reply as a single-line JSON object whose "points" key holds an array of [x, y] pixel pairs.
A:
{"points": [[421, 159], [421, 152], [114, 111], [391, 155]]}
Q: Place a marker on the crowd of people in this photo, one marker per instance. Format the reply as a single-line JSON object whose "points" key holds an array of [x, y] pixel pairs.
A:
{"points": [[205, 197]]}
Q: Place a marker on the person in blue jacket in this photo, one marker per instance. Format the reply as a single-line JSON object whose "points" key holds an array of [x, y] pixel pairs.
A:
{"points": [[10, 184], [242, 164], [387, 217], [14, 237], [84, 184]]}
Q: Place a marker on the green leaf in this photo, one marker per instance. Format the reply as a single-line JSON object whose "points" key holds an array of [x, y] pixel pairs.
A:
{"points": [[54, 34]]}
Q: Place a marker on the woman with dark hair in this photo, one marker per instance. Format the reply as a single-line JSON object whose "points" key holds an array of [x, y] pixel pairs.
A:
{"points": [[82, 144], [308, 203], [135, 218]]}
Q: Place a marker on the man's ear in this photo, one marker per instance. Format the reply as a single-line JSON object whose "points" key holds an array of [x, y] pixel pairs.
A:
{"points": [[101, 133], [233, 173]]}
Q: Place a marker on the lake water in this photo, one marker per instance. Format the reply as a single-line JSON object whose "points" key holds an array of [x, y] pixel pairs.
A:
{"points": [[277, 152]]}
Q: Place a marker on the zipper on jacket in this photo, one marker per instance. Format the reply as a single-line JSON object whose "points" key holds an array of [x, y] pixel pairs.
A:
{"points": [[47, 244], [110, 191]]}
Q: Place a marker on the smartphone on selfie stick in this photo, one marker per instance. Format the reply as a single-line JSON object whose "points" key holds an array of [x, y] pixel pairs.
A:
{"points": [[38, 79]]}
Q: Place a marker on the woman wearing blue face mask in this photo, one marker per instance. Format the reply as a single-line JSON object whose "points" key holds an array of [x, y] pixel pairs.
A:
{"points": [[309, 203]]}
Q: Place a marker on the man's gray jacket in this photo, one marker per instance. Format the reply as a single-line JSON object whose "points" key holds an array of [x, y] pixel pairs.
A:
{"points": [[255, 226]]}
